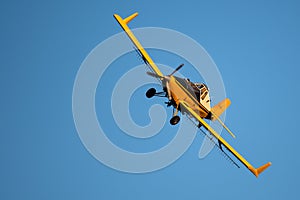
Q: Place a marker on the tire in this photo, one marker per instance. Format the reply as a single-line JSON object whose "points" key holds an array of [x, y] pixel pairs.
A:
{"points": [[150, 93], [174, 120]]}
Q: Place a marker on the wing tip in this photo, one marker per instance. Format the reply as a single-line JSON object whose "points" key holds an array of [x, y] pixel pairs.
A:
{"points": [[127, 19], [131, 17], [259, 170]]}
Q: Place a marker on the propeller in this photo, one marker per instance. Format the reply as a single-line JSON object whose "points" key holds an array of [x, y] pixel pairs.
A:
{"points": [[166, 79], [178, 68], [154, 75], [157, 76]]}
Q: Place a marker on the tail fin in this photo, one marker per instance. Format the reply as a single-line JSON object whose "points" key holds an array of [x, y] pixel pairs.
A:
{"points": [[218, 109], [259, 170]]}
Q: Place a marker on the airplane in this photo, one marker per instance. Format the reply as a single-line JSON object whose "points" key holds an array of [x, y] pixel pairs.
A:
{"points": [[191, 99]]}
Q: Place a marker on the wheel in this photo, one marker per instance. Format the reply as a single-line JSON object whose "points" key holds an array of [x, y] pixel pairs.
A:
{"points": [[150, 93], [174, 120]]}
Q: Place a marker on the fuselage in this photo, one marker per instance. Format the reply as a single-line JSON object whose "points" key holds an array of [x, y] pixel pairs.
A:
{"points": [[193, 94]]}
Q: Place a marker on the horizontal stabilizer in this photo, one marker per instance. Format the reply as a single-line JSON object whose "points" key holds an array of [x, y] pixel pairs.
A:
{"points": [[259, 170], [218, 109]]}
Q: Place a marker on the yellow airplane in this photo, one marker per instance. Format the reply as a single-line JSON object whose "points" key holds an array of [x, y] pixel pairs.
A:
{"points": [[187, 97]]}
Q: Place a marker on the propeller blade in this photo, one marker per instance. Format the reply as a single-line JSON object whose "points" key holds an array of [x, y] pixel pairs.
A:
{"points": [[154, 75], [178, 68]]}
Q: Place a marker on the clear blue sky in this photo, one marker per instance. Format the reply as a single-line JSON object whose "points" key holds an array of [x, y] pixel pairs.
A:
{"points": [[255, 45]]}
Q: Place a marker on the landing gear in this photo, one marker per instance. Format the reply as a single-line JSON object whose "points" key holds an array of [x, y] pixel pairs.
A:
{"points": [[174, 120], [151, 92]]}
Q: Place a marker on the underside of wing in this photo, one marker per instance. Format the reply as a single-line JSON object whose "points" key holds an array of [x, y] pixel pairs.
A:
{"points": [[256, 171], [142, 52]]}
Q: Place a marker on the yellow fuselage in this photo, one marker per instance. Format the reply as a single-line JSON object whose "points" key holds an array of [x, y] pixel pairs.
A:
{"points": [[181, 93]]}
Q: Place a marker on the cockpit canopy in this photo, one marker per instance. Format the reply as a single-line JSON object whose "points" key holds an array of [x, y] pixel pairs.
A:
{"points": [[202, 90]]}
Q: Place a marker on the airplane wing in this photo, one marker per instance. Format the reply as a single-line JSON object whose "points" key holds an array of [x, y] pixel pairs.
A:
{"points": [[255, 171], [145, 56]]}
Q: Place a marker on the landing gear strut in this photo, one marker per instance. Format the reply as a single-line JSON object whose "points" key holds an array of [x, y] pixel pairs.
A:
{"points": [[175, 119]]}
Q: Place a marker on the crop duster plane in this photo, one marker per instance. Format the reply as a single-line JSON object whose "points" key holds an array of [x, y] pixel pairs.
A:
{"points": [[187, 97]]}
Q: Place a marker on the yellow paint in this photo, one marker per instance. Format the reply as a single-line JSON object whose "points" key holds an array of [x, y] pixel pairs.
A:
{"points": [[182, 97], [123, 23], [179, 93], [218, 109], [256, 172]]}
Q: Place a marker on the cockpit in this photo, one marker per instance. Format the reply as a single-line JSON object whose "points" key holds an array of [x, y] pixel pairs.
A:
{"points": [[202, 93], [203, 90], [200, 89]]}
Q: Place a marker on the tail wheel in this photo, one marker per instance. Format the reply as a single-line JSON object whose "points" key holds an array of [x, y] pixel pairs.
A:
{"points": [[174, 120], [150, 93]]}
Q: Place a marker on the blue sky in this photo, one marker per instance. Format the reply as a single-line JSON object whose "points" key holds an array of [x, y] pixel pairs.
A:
{"points": [[255, 46]]}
